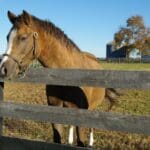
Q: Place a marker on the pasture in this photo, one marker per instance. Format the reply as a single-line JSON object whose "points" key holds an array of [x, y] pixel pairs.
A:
{"points": [[132, 101]]}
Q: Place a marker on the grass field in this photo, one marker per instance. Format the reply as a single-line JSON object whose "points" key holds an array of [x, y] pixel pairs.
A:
{"points": [[126, 66], [132, 102]]}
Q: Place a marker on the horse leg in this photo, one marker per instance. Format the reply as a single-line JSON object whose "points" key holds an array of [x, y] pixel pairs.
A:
{"points": [[71, 135], [57, 128], [91, 139], [81, 136], [57, 133]]}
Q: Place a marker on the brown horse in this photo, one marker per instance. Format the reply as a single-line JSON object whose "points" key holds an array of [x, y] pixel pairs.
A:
{"points": [[31, 38]]}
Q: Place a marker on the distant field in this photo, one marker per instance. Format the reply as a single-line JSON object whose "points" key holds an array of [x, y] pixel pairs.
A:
{"points": [[126, 66], [131, 102]]}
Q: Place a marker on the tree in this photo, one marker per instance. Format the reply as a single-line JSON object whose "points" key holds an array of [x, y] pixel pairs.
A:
{"points": [[134, 36]]}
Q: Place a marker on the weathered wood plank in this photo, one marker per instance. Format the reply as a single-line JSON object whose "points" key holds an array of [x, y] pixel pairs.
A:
{"points": [[99, 120], [7, 143], [1, 100], [76, 77]]}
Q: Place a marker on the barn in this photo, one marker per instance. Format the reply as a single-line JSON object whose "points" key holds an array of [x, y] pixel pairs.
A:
{"points": [[111, 52]]}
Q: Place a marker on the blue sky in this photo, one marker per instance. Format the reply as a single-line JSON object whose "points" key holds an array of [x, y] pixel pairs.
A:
{"points": [[89, 23]]}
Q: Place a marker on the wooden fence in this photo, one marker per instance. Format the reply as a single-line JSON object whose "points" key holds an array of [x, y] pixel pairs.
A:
{"points": [[84, 118]]}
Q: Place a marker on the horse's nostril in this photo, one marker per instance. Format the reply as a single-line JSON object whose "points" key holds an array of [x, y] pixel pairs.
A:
{"points": [[4, 71]]}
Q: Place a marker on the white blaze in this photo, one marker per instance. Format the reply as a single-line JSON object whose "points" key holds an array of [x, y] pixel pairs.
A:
{"points": [[9, 44], [91, 141], [70, 139]]}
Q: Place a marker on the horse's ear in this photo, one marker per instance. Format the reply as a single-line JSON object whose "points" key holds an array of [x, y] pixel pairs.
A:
{"points": [[27, 17], [12, 17]]}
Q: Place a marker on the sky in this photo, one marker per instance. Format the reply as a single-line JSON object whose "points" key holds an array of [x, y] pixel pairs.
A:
{"points": [[91, 24]]}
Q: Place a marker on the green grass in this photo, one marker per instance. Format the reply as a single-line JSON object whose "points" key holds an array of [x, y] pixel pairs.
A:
{"points": [[127, 66]]}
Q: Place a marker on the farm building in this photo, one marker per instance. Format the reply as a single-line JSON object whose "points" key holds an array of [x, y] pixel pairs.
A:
{"points": [[111, 52]]}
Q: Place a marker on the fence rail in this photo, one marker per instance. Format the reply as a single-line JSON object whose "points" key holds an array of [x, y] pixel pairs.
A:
{"points": [[84, 118], [77, 77], [8, 143]]}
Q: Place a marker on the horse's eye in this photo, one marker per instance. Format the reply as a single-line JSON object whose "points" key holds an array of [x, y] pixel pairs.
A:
{"points": [[23, 37]]}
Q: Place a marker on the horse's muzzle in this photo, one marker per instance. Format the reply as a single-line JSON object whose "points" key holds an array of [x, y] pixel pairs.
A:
{"points": [[3, 71], [8, 69]]}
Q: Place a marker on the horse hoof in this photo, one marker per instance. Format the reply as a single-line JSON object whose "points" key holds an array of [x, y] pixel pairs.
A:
{"points": [[80, 144]]}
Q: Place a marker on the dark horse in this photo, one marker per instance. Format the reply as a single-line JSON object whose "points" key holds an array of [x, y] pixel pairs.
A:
{"points": [[31, 38]]}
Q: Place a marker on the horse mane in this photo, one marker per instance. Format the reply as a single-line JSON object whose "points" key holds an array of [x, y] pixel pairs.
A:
{"points": [[91, 56], [51, 29]]}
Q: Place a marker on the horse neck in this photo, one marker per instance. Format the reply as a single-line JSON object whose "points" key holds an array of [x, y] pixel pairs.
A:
{"points": [[53, 54]]}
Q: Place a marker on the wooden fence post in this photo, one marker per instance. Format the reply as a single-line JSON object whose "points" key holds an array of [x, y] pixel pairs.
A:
{"points": [[1, 99]]}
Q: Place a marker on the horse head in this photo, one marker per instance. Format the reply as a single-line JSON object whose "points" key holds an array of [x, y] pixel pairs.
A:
{"points": [[21, 45]]}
